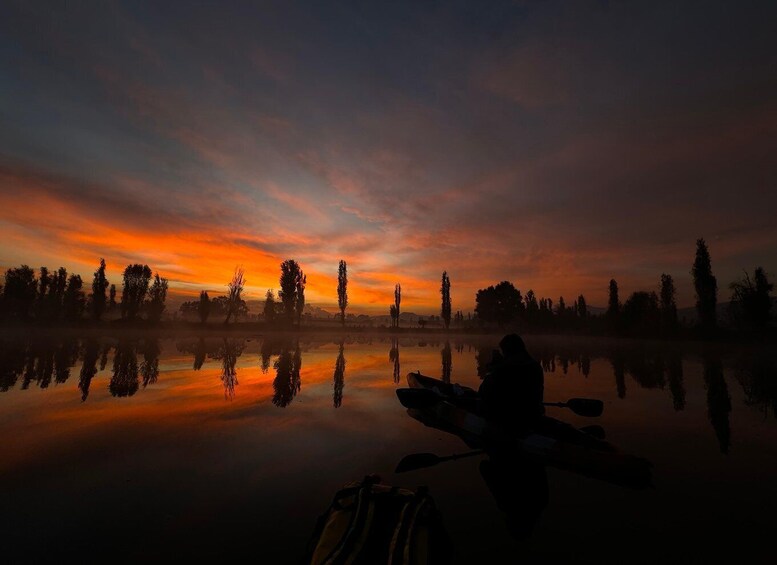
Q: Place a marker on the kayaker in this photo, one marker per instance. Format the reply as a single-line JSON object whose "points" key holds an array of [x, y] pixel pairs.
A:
{"points": [[512, 391]]}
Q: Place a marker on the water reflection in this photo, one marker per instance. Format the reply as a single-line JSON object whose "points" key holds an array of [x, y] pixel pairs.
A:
{"points": [[149, 368], [394, 359], [447, 362], [287, 381], [124, 381], [339, 377], [520, 489], [228, 352], [757, 374], [718, 399], [45, 362], [89, 367]]}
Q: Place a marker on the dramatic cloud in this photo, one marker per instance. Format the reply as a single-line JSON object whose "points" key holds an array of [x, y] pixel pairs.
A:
{"points": [[555, 145]]}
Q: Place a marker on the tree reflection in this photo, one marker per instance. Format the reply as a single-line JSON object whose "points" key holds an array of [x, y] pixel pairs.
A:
{"points": [[674, 369], [287, 382], [11, 363], [757, 374], [89, 367], [200, 353], [394, 358], [339, 377], [124, 381], [149, 368], [66, 356], [447, 362], [619, 370], [718, 399], [228, 352]]}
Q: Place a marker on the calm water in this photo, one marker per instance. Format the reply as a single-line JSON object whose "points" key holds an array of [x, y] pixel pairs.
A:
{"points": [[230, 448]]}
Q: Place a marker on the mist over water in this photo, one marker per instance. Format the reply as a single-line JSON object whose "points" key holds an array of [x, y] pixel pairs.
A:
{"points": [[232, 446]]}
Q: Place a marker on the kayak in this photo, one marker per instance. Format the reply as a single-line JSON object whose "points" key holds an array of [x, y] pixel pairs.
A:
{"points": [[458, 410]]}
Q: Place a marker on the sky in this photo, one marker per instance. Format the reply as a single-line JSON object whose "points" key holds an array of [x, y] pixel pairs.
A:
{"points": [[552, 144]]}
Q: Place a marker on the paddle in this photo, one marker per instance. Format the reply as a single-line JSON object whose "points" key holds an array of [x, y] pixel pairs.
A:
{"points": [[421, 460], [424, 398]]}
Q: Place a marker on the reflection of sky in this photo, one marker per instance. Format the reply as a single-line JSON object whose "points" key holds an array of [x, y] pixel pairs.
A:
{"points": [[552, 145], [193, 468]]}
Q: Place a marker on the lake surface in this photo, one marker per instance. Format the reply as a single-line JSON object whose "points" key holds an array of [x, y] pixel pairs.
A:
{"points": [[229, 448]]}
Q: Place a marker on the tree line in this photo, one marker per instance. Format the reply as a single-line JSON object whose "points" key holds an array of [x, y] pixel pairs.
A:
{"points": [[644, 313], [59, 297], [56, 296]]}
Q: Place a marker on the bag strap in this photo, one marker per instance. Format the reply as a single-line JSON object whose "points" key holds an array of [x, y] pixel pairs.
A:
{"points": [[358, 528], [402, 540]]}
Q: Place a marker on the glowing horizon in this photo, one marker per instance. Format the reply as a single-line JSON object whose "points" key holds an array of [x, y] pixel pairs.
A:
{"points": [[549, 145]]}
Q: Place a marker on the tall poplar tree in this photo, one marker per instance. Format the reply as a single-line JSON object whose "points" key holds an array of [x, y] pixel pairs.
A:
{"points": [[706, 286], [397, 301], [342, 289], [445, 292], [99, 286]]}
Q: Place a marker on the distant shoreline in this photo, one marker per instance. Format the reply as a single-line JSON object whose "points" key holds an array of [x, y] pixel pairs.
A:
{"points": [[256, 329]]}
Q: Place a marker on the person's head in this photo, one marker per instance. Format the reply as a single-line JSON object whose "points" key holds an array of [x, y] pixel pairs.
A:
{"points": [[512, 346]]}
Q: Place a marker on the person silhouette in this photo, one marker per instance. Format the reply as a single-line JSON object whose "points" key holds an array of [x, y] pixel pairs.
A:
{"points": [[513, 388]]}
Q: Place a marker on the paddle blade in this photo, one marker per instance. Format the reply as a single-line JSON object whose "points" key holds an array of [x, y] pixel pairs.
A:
{"points": [[417, 397], [589, 407], [416, 461]]}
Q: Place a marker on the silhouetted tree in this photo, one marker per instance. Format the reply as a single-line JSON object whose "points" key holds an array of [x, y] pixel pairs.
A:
{"points": [[19, 291], [269, 307], [112, 298], [562, 312], [582, 308], [45, 281], [397, 301], [533, 307], [613, 305], [299, 306], [136, 281], [155, 305], [445, 292], [73, 301], [41, 301], [668, 306], [500, 304], [640, 313], [291, 274], [342, 289], [99, 287], [219, 307], [750, 300], [339, 377], [706, 286], [203, 307], [235, 290]]}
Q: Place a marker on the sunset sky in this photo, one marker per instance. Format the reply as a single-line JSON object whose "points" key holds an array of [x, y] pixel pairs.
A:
{"points": [[552, 144]]}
